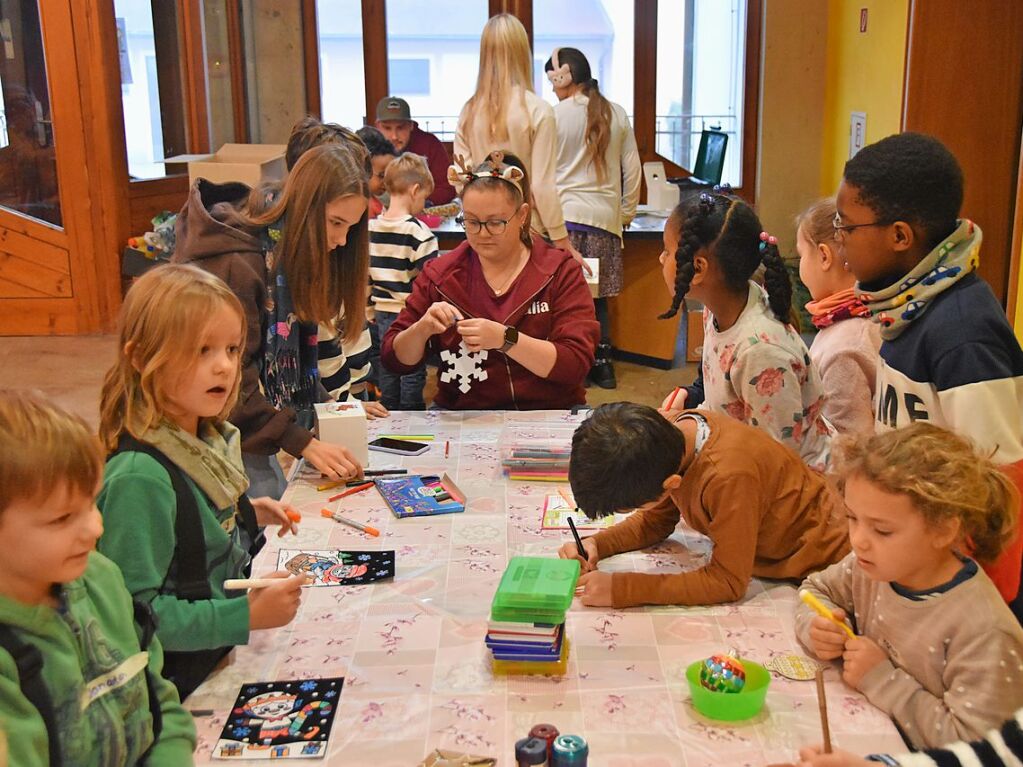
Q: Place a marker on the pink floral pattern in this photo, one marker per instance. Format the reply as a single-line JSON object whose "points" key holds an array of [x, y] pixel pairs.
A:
{"points": [[417, 674], [764, 377]]}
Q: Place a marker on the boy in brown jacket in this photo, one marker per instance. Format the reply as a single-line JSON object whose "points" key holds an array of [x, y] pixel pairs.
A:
{"points": [[767, 513]]}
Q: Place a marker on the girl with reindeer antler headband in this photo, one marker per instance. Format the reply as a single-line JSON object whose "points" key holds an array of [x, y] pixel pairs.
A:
{"points": [[510, 316]]}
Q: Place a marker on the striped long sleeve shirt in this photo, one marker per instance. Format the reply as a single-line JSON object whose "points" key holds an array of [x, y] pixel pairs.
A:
{"points": [[1001, 747], [398, 249]]}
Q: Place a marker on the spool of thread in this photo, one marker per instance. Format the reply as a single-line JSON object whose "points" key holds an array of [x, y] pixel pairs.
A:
{"points": [[569, 751], [547, 732], [530, 751]]}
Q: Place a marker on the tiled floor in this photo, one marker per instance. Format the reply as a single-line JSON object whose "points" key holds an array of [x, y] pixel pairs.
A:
{"points": [[70, 372]]}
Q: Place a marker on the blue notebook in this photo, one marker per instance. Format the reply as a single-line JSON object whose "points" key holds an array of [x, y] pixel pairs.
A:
{"points": [[415, 495]]}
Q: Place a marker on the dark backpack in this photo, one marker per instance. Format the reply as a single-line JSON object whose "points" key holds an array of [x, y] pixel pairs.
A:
{"points": [[186, 670], [29, 662]]}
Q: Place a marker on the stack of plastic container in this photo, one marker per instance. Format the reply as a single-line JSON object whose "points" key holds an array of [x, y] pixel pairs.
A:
{"points": [[526, 633]]}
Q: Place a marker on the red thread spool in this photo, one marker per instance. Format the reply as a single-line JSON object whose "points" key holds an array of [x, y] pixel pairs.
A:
{"points": [[547, 732]]}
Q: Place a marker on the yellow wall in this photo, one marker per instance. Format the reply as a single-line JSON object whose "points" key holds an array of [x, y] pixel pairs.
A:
{"points": [[864, 74]]}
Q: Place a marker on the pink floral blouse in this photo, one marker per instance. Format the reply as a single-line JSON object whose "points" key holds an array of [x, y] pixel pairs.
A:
{"points": [[759, 372]]}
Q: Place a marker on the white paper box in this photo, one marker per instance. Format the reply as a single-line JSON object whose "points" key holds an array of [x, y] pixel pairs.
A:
{"points": [[344, 423], [251, 164]]}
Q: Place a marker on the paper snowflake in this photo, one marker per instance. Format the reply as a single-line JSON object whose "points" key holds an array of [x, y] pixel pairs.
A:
{"points": [[465, 366]]}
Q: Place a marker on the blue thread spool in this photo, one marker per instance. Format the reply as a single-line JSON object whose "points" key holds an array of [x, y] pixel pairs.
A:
{"points": [[569, 751], [530, 751]]}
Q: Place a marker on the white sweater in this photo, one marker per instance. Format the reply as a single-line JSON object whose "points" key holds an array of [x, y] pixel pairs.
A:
{"points": [[532, 137], [584, 200]]}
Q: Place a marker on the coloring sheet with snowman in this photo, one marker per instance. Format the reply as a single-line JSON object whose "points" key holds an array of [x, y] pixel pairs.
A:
{"points": [[330, 567], [280, 720]]}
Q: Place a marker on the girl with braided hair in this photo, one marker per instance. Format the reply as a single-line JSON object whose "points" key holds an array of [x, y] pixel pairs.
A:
{"points": [[756, 368]]}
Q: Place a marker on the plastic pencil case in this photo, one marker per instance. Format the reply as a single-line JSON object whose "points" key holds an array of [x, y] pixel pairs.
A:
{"points": [[542, 458], [532, 584], [558, 667]]}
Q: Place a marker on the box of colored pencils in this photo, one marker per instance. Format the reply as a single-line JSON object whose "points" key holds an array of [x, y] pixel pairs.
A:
{"points": [[418, 495]]}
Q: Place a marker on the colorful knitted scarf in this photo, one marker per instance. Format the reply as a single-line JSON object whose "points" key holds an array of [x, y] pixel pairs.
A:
{"points": [[290, 373], [843, 305], [895, 306]]}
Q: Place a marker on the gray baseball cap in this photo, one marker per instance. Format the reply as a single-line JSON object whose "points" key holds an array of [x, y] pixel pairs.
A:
{"points": [[393, 108]]}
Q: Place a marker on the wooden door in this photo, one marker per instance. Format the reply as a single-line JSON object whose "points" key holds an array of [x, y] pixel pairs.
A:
{"points": [[58, 265], [964, 85]]}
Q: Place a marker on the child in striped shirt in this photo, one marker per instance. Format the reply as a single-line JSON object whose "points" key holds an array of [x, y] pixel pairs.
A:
{"points": [[399, 246]]}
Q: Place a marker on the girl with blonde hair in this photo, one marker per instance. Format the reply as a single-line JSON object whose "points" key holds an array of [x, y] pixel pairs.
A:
{"points": [[176, 518], [921, 630], [505, 114], [294, 260]]}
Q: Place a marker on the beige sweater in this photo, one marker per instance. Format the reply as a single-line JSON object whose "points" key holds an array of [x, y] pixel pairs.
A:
{"points": [[955, 663], [846, 356], [766, 512], [532, 136], [584, 199]]}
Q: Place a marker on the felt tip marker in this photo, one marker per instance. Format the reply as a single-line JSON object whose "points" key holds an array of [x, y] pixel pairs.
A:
{"points": [[578, 541], [293, 515], [350, 522], [350, 491], [238, 584], [822, 610]]}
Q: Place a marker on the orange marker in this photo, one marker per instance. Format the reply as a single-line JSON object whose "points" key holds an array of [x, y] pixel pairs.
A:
{"points": [[350, 491], [350, 522], [294, 516]]}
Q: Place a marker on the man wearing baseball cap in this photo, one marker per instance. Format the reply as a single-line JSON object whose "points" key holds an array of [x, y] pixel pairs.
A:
{"points": [[394, 120]]}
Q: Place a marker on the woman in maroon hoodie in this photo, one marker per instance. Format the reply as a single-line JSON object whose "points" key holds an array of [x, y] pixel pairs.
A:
{"points": [[510, 316]]}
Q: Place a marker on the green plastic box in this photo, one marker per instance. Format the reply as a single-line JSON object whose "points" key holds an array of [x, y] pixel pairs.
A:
{"points": [[537, 583]]}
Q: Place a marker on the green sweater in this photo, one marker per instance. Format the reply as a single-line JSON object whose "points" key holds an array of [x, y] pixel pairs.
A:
{"points": [[91, 634], [139, 508]]}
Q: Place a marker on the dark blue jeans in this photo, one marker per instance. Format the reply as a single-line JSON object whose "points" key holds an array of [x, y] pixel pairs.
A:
{"points": [[399, 392]]}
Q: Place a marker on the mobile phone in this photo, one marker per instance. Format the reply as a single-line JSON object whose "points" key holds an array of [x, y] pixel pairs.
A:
{"points": [[399, 446]]}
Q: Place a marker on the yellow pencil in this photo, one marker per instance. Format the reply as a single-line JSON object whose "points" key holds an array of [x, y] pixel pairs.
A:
{"points": [[821, 609]]}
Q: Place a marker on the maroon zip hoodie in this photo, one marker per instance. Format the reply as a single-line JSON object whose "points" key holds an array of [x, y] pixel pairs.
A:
{"points": [[549, 300]]}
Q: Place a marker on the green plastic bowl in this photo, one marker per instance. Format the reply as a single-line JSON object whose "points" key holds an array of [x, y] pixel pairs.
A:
{"points": [[730, 706]]}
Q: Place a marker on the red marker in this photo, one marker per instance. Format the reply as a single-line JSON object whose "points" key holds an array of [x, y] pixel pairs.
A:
{"points": [[350, 491], [447, 447]]}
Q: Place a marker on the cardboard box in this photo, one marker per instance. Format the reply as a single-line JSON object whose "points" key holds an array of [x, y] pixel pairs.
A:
{"points": [[248, 163], [344, 423]]}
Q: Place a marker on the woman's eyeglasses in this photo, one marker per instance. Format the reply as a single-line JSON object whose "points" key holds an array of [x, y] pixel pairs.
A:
{"points": [[494, 226]]}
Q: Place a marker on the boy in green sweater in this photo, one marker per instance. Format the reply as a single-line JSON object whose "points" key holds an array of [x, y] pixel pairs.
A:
{"points": [[59, 596]]}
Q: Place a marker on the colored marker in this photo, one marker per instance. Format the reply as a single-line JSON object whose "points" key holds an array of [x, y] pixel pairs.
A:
{"points": [[294, 516], [329, 485], [253, 583], [350, 491], [674, 396], [409, 437], [578, 541], [350, 522], [821, 609], [383, 472], [565, 498], [447, 447]]}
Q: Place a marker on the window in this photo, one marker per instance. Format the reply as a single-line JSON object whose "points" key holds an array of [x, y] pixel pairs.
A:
{"points": [[701, 60], [602, 29], [447, 39], [410, 77], [218, 73], [342, 68], [140, 93]]}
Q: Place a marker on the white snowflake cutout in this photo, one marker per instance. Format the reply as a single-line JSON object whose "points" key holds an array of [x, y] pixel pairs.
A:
{"points": [[465, 366]]}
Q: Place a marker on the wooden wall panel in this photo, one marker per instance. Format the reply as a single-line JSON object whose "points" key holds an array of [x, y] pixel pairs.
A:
{"points": [[148, 198], [964, 85]]}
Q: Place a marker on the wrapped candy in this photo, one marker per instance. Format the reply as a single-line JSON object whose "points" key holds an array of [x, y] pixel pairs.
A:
{"points": [[723, 673]]}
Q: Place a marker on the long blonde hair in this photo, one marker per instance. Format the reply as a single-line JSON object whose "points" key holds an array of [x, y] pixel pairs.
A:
{"points": [[43, 448], [598, 108], [321, 281], [163, 320], [506, 63], [943, 477]]}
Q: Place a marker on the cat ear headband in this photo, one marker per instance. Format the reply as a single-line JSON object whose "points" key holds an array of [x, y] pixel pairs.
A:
{"points": [[561, 75], [460, 175]]}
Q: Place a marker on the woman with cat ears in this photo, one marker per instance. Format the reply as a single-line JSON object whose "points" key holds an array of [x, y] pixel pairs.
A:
{"points": [[510, 316], [598, 179], [755, 368]]}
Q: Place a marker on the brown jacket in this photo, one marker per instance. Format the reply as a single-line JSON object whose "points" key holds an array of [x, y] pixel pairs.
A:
{"points": [[767, 513], [207, 236]]}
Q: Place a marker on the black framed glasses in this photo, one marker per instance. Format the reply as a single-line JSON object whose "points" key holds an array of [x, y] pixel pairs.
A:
{"points": [[841, 228], [494, 226]]}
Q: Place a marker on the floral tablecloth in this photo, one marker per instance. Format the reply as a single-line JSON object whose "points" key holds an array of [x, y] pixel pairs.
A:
{"points": [[417, 673]]}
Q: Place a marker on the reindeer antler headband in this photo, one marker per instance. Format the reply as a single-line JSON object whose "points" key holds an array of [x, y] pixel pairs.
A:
{"points": [[460, 175]]}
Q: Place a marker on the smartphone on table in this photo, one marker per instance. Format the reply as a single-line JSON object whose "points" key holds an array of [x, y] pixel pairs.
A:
{"points": [[398, 446]]}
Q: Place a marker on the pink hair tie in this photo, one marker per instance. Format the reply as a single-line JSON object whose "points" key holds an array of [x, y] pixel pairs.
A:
{"points": [[764, 236]]}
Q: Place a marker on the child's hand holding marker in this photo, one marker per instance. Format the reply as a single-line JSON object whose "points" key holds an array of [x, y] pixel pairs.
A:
{"points": [[675, 401], [571, 551], [272, 512], [828, 631], [275, 605], [594, 589]]}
